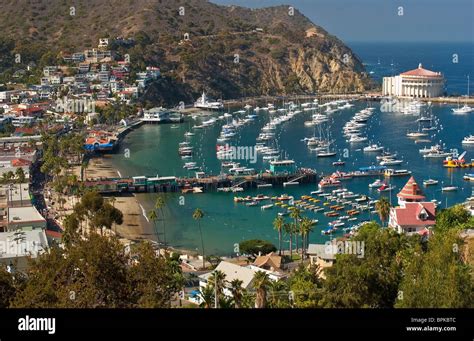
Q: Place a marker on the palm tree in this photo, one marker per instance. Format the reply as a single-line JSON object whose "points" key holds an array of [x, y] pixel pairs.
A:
{"points": [[288, 227], [261, 282], [296, 215], [207, 296], [159, 204], [305, 229], [237, 292], [383, 209], [278, 224], [217, 282], [198, 215], [154, 217], [20, 175]]}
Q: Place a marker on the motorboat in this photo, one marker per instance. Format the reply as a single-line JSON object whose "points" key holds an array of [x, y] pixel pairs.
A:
{"points": [[449, 189], [377, 183], [430, 182], [390, 162], [469, 140], [385, 188], [373, 148]]}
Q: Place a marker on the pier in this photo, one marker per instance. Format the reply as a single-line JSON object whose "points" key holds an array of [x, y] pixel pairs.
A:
{"points": [[144, 184]]}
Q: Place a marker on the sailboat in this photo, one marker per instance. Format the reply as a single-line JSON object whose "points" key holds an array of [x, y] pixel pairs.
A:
{"points": [[327, 152], [451, 187], [418, 133], [465, 108]]}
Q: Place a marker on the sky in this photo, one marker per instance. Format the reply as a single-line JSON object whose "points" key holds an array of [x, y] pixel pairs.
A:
{"points": [[378, 20]]}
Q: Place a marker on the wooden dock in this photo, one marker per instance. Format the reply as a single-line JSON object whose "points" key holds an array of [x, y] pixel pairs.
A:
{"points": [[143, 184]]}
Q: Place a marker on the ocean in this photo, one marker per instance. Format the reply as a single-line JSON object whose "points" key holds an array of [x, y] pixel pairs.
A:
{"points": [[153, 151]]}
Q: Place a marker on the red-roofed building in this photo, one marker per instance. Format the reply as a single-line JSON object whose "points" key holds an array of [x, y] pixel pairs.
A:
{"points": [[413, 217], [415, 83]]}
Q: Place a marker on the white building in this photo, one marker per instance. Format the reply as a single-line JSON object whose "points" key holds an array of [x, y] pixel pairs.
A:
{"points": [[17, 247], [417, 83]]}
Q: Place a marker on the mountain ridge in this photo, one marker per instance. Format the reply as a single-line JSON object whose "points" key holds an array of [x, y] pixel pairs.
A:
{"points": [[232, 51]]}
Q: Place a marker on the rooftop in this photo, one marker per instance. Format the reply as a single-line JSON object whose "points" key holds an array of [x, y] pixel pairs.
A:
{"points": [[416, 214], [421, 72], [22, 243], [411, 191], [23, 215]]}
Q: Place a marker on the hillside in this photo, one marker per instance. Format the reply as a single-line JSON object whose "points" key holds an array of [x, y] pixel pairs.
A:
{"points": [[224, 55]]}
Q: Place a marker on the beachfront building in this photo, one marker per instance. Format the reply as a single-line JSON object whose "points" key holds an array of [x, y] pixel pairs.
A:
{"points": [[416, 83], [413, 215]]}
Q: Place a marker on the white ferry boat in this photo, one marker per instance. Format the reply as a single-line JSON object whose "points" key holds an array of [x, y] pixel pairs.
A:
{"points": [[204, 103]]}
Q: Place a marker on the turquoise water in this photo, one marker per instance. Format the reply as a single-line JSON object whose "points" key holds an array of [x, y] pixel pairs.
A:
{"points": [[153, 150]]}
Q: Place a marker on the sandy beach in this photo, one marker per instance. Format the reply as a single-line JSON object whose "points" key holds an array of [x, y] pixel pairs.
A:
{"points": [[135, 225]]}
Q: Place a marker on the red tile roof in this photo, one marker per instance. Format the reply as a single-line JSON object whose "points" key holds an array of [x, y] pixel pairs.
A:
{"points": [[411, 191], [420, 72], [410, 214]]}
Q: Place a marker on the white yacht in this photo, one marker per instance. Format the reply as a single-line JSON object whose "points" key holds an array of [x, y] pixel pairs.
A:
{"points": [[373, 148], [204, 103], [468, 140]]}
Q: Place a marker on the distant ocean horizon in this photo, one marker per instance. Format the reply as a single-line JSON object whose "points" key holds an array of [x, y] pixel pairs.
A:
{"points": [[454, 60]]}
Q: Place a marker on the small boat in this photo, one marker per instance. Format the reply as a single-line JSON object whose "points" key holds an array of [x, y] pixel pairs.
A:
{"points": [[390, 162], [339, 163], [189, 134], [373, 148], [469, 177], [282, 214], [417, 134], [377, 183], [266, 207], [385, 188], [430, 182], [400, 172], [252, 203], [469, 140], [449, 189], [465, 109]]}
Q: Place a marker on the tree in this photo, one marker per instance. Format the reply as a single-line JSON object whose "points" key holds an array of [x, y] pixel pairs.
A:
{"points": [[288, 227], [296, 215], [153, 217], [383, 209], [159, 204], [237, 292], [207, 296], [20, 175], [278, 224], [254, 247], [154, 279], [261, 282], [198, 215], [370, 278], [305, 228], [217, 282], [97, 272], [453, 217], [305, 284], [437, 277], [278, 296], [7, 288]]}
